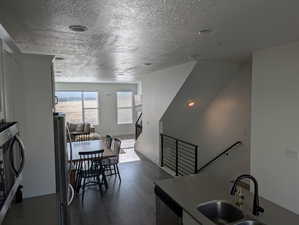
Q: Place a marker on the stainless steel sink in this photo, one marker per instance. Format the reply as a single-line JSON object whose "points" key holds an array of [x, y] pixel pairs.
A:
{"points": [[249, 222], [222, 212]]}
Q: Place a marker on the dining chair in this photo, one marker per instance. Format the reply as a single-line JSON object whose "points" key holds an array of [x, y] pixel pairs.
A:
{"points": [[89, 170], [112, 168], [108, 141], [72, 166]]}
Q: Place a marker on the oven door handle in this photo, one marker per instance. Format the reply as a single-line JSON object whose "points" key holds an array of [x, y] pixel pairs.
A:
{"points": [[22, 154]]}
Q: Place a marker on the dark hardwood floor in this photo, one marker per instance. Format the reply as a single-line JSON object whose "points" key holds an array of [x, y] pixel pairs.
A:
{"points": [[130, 202]]}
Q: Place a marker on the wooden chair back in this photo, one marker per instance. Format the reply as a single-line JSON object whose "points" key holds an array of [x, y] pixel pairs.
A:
{"points": [[90, 163]]}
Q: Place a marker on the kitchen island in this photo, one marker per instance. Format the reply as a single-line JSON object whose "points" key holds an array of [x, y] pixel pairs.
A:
{"points": [[190, 191]]}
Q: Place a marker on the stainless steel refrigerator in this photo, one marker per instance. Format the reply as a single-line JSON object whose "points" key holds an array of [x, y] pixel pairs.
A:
{"points": [[61, 169]]}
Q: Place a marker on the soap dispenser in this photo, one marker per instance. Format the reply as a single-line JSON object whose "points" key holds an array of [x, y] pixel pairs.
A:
{"points": [[239, 197]]}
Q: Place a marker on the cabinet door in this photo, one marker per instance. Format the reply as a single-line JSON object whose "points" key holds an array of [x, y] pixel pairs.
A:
{"points": [[164, 215], [188, 220]]}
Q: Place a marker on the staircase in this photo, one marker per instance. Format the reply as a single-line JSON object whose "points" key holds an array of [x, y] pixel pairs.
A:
{"points": [[181, 157]]}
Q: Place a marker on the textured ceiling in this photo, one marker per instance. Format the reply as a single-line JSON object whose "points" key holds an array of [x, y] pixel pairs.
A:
{"points": [[125, 34]]}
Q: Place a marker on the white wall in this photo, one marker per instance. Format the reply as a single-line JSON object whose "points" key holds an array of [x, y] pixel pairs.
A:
{"points": [[158, 90], [107, 102], [28, 101], [220, 117], [275, 124]]}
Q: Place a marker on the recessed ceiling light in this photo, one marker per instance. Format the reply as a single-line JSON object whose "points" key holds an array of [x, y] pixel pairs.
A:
{"points": [[59, 58], [191, 103], [78, 28], [205, 31], [148, 64]]}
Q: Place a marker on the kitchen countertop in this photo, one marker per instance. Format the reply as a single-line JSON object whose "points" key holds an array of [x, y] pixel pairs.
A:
{"points": [[190, 191]]}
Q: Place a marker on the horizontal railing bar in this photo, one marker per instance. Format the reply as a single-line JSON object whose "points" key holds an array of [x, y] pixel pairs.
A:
{"points": [[170, 161], [169, 150], [169, 164], [182, 169], [169, 142], [182, 141], [189, 150], [181, 158], [186, 145], [169, 146], [186, 160], [185, 171], [192, 152], [170, 167], [170, 157], [186, 152], [170, 153], [186, 165], [192, 148], [172, 145]]}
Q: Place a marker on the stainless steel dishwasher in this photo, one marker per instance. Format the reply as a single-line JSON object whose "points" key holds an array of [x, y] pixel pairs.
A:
{"points": [[168, 212]]}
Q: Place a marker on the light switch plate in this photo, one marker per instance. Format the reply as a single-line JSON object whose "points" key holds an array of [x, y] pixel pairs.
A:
{"points": [[292, 153]]}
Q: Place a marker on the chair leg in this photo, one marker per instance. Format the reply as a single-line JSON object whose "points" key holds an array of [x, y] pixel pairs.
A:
{"points": [[118, 172], [83, 188], [99, 183], [104, 179], [114, 170], [78, 183]]}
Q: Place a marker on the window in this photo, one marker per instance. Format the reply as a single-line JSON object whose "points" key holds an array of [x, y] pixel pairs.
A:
{"points": [[78, 106], [124, 107]]}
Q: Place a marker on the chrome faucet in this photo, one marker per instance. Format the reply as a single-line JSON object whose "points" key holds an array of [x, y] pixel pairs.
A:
{"points": [[256, 207]]}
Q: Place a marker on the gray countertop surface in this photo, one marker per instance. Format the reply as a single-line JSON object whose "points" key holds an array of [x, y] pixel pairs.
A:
{"points": [[190, 191]]}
